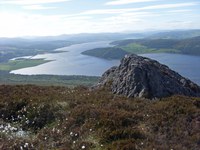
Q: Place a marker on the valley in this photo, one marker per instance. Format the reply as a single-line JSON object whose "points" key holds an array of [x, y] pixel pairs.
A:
{"points": [[72, 62]]}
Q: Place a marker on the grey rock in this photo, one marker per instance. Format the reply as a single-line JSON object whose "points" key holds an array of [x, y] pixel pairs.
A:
{"points": [[138, 76]]}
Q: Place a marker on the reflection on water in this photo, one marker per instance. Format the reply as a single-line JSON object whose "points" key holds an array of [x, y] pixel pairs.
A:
{"points": [[71, 62]]}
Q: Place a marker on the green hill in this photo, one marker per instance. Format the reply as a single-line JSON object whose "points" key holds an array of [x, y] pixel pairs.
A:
{"points": [[189, 46], [107, 53], [182, 34]]}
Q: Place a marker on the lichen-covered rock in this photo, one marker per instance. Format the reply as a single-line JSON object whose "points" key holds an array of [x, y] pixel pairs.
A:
{"points": [[138, 76]]}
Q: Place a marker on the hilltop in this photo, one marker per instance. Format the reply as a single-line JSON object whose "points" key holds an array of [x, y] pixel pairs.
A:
{"points": [[138, 76]]}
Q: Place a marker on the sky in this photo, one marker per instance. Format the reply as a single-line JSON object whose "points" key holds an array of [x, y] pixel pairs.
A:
{"points": [[54, 17]]}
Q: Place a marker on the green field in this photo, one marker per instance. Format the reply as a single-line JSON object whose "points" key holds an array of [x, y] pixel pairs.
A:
{"points": [[141, 49], [47, 80], [137, 48], [21, 63]]}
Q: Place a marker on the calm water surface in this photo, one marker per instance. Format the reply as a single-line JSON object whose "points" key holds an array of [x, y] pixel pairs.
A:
{"points": [[72, 62]]}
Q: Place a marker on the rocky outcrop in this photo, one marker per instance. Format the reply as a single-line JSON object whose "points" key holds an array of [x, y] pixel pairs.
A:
{"points": [[138, 76]]}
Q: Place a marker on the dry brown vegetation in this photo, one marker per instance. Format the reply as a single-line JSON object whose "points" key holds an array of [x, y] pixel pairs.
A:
{"points": [[63, 118]]}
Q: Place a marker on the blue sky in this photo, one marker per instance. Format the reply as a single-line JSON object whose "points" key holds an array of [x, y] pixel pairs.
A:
{"points": [[54, 17]]}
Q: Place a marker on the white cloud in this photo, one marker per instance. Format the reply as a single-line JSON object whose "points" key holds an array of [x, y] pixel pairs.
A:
{"points": [[30, 2], [179, 11], [122, 2], [36, 7], [178, 24], [152, 7], [167, 6], [104, 11], [131, 17], [23, 24]]}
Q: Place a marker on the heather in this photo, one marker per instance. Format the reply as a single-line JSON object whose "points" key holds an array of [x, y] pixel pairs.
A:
{"points": [[37, 117]]}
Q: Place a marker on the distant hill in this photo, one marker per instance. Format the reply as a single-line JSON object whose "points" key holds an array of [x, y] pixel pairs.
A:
{"points": [[91, 37], [176, 34], [185, 46], [16, 47], [189, 46], [155, 41], [23, 46]]}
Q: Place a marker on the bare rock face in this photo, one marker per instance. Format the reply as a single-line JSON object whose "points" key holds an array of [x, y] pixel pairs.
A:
{"points": [[138, 76]]}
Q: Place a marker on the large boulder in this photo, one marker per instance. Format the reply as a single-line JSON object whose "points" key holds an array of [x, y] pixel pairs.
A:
{"points": [[138, 76]]}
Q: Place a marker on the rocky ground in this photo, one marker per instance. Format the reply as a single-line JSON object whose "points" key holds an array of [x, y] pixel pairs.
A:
{"points": [[138, 76]]}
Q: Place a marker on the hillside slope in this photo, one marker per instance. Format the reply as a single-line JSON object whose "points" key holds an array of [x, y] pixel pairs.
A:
{"points": [[189, 46], [184, 34], [62, 118], [186, 46]]}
